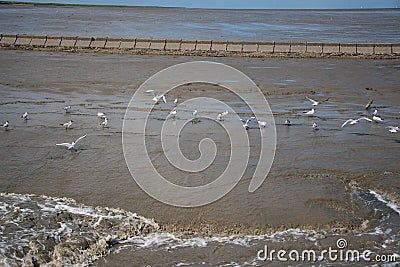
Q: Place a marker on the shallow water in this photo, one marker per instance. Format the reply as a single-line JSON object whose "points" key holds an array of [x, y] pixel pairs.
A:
{"points": [[318, 190], [370, 26]]}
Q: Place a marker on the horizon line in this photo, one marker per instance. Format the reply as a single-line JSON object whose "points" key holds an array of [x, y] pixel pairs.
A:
{"points": [[182, 7]]}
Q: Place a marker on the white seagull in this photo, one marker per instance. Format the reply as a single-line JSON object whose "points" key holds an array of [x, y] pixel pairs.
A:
{"points": [[246, 124], [221, 116], [287, 122], [71, 146], [262, 123], [313, 102], [368, 105], [157, 97], [5, 125], [310, 112], [104, 123], [25, 116], [176, 102], [377, 119], [195, 114], [67, 109], [101, 115], [67, 125], [315, 126], [352, 121], [393, 129], [375, 113], [172, 113]]}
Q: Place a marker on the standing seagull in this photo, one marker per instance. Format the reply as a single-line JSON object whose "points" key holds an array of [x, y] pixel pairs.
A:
{"points": [[172, 113], [311, 112], [104, 123], [221, 116], [101, 115], [176, 102], [315, 127], [377, 119], [287, 122], [195, 114], [5, 125], [67, 125], [246, 124], [393, 129], [25, 116], [156, 97], [262, 123], [71, 146], [67, 109]]}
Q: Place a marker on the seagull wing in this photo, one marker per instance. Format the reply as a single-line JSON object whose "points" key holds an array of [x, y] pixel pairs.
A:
{"points": [[346, 122], [80, 138], [152, 91], [314, 103], [365, 118], [64, 144]]}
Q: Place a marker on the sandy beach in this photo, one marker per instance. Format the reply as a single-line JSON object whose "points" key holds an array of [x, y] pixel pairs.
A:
{"points": [[309, 186]]}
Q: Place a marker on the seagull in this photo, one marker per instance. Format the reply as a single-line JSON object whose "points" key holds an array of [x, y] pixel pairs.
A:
{"points": [[67, 109], [315, 127], [311, 112], [377, 119], [246, 124], [313, 102], [172, 113], [375, 113], [101, 115], [262, 123], [352, 121], [104, 123], [287, 122], [393, 129], [195, 114], [368, 105], [157, 97], [176, 102], [71, 146], [67, 125], [221, 116], [5, 125], [25, 116]]}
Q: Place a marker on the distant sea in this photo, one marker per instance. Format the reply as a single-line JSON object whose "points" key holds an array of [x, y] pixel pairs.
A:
{"points": [[356, 25]]}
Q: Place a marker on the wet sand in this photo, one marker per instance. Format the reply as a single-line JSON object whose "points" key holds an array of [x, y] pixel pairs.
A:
{"points": [[308, 185], [371, 26]]}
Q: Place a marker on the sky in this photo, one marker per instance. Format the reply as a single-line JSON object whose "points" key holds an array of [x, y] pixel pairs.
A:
{"points": [[239, 4]]}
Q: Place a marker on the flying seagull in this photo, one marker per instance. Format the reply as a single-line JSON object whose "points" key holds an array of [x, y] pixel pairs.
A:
{"points": [[157, 97], [368, 105], [352, 121], [71, 146], [316, 103], [67, 125]]}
